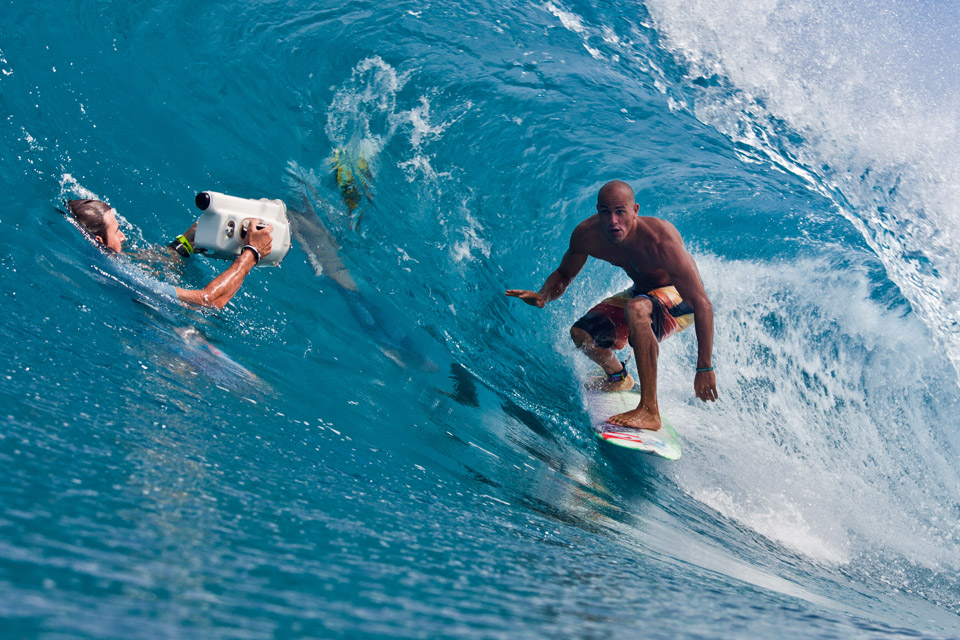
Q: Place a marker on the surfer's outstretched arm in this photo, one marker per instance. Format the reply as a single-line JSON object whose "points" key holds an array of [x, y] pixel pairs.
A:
{"points": [[558, 281]]}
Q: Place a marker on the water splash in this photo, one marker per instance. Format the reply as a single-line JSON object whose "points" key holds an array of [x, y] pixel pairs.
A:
{"points": [[840, 96]]}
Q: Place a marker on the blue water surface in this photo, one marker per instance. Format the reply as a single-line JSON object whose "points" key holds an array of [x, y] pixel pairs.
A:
{"points": [[277, 469]]}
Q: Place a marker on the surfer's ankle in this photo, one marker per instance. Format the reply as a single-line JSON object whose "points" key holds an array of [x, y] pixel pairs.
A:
{"points": [[624, 384], [618, 376], [617, 381], [648, 411], [601, 383]]}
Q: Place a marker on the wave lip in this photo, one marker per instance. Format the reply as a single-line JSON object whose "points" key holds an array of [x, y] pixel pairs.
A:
{"points": [[839, 93]]}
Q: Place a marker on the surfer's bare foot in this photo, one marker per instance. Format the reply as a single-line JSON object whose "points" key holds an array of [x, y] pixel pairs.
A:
{"points": [[601, 383], [639, 418]]}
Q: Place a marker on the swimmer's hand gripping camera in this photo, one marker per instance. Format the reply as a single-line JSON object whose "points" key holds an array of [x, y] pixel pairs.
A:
{"points": [[221, 232]]}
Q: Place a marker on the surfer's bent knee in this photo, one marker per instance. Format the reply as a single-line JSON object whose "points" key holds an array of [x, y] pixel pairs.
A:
{"points": [[579, 337], [604, 324], [639, 312]]}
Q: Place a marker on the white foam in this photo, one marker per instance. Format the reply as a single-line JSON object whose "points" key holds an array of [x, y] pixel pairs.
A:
{"points": [[472, 239], [363, 115], [572, 22], [810, 443], [863, 85], [71, 187], [5, 68], [782, 521], [568, 19]]}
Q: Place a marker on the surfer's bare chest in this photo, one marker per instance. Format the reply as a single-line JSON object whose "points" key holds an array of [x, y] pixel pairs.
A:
{"points": [[640, 264]]}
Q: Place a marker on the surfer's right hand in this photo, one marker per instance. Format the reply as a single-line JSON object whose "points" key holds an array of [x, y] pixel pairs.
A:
{"points": [[532, 298]]}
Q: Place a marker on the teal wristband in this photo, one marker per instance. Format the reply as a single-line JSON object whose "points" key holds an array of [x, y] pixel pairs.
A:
{"points": [[704, 369]]}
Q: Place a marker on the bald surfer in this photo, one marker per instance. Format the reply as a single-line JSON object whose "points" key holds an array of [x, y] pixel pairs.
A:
{"points": [[667, 296]]}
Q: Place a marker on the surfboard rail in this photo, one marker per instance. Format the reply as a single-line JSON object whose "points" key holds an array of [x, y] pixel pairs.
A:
{"points": [[601, 405]]}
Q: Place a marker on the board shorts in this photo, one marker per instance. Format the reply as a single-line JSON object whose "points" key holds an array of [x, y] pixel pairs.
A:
{"points": [[607, 322]]}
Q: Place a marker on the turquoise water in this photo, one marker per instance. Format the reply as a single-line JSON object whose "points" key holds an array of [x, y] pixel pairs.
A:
{"points": [[296, 481]]}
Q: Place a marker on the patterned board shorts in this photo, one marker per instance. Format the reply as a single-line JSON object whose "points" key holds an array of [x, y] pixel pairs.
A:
{"points": [[607, 323]]}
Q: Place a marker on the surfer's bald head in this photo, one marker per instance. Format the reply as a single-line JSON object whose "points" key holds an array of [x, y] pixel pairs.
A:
{"points": [[615, 189], [617, 210]]}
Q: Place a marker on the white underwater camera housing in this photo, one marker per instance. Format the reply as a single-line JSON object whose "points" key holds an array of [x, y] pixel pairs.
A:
{"points": [[220, 230]]}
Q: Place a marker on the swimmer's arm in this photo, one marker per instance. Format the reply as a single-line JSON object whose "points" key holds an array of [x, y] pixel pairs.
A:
{"points": [[222, 288], [166, 255], [558, 281], [189, 235]]}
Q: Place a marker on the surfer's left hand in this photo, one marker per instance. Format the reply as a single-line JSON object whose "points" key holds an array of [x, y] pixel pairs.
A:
{"points": [[705, 386]]}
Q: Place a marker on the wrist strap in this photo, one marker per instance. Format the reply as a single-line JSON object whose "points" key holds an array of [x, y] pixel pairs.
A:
{"points": [[620, 375], [256, 254], [704, 369], [184, 245]]}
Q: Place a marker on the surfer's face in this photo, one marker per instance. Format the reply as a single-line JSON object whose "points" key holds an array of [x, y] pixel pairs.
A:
{"points": [[618, 214]]}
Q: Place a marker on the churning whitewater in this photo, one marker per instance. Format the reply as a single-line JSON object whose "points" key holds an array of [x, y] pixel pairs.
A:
{"points": [[372, 440]]}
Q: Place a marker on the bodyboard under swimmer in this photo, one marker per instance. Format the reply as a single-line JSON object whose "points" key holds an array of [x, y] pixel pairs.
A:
{"points": [[601, 405]]}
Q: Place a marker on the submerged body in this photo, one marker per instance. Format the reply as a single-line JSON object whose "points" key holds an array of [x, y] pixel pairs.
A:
{"points": [[353, 176], [323, 252]]}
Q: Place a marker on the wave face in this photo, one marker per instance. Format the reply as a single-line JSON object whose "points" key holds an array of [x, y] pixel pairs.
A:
{"points": [[281, 468]]}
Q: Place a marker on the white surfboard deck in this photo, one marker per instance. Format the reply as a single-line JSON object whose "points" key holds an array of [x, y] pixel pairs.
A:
{"points": [[601, 405]]}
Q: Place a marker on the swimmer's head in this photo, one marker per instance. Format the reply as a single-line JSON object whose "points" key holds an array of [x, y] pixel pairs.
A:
{"points": [[99, 221]]}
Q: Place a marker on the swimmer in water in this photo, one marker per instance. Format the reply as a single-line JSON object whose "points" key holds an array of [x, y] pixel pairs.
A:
{"points": [[99, 221]]}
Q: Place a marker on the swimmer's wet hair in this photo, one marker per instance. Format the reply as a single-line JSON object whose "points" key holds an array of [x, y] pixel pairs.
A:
{"points": [[89, 215]]}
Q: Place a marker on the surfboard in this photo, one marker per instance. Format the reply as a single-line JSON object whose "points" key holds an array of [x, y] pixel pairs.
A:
{"points": [[603, 404]]}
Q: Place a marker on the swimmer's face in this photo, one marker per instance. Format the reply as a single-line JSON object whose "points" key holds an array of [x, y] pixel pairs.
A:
{"points": [[618, 213], [115, 237]]}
